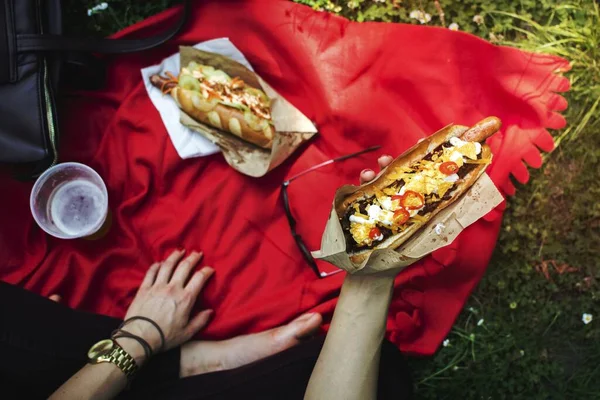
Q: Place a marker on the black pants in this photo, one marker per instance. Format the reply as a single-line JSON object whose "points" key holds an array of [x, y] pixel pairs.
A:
{"points": [[43, 343]]}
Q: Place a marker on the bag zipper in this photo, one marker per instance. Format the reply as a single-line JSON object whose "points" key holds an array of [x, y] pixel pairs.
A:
{"points": [[50, 120], [50, 116]]}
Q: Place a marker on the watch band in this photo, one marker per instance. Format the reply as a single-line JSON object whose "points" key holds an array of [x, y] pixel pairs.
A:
{"points": [[123, 360]]}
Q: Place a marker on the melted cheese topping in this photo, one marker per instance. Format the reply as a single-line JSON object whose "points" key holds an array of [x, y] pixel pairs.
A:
{"points": [[360, 232], [427, 180], [468, 149]]}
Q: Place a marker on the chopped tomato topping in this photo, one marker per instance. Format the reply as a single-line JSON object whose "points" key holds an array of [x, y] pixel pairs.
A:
{"points": [[448, 168], [374, 233], [412, 200], [401, 216]]}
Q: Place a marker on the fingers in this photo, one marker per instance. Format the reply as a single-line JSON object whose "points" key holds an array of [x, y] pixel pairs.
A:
{"points": [[198, 281], [55, 297], [384, 161], [150, 276], [368, 175], [166, 269], [300, 328], [197, 323], [306, 325], [182, 272]]}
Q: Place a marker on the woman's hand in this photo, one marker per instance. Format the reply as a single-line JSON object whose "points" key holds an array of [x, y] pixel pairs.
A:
{"points": [[167, 296], [367, 175]]}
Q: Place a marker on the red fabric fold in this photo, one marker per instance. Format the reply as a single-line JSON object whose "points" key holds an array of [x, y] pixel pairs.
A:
{"points": [[363, 84]]}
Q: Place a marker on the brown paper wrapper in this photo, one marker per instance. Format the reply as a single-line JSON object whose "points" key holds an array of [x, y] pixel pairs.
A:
{"points": [[292, 128], [480, 199]]}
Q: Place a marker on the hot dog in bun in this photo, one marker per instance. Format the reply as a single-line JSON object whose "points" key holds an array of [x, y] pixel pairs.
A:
{"points": [[214, 98], [415, 187]]}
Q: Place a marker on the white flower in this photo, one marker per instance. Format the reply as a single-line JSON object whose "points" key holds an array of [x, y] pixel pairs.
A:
{"points": [[480, 322], [421, 16], [478, 19], [496, 38], [352, 4], [522, 352], [446, 343], [453, 26], [455, 368], [586, 318], [99, 7]]}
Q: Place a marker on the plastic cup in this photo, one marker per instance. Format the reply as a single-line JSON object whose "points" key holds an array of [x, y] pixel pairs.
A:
{"points": [[69, 201]]}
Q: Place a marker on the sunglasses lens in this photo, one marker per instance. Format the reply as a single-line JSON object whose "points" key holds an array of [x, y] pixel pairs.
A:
{"points": [[307, 254], [286, 205], [303, 248], [284, 195]]}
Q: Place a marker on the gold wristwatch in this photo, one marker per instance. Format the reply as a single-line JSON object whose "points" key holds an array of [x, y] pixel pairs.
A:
{"points": [[109, 351]]}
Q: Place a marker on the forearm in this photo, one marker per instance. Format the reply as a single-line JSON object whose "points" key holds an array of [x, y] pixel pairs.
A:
{"points": [[348, 365], [100, 381]]}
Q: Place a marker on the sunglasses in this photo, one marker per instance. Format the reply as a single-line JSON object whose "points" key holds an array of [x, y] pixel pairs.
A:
{"points": [[292, 221]]}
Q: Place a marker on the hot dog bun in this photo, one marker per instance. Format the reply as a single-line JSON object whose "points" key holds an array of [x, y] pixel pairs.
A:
{"points": [[223, 117], [478, 133], [229, 118]]}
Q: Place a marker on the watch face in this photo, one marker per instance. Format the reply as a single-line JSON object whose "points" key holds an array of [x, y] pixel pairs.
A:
{"points": [[100, 349]]}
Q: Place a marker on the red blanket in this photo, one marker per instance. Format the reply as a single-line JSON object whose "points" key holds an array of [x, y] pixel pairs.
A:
{"points": [[363, 84]]}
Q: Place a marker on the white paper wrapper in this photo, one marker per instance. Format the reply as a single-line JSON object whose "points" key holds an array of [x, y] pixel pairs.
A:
{"points": [[193, 138], [480, 199], [187, 142]]}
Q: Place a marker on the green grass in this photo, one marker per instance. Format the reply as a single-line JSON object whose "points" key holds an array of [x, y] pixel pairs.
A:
{"points": [[532, 343]]}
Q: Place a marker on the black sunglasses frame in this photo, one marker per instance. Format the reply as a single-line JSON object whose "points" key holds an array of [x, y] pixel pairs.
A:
{"points": [[292, 221]]}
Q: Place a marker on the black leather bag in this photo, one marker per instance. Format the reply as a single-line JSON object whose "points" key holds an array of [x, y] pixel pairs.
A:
{"points": [[32, 54]]}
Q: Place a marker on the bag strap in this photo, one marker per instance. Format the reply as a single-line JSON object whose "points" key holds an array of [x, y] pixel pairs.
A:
{"points": [[36, 43]]}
